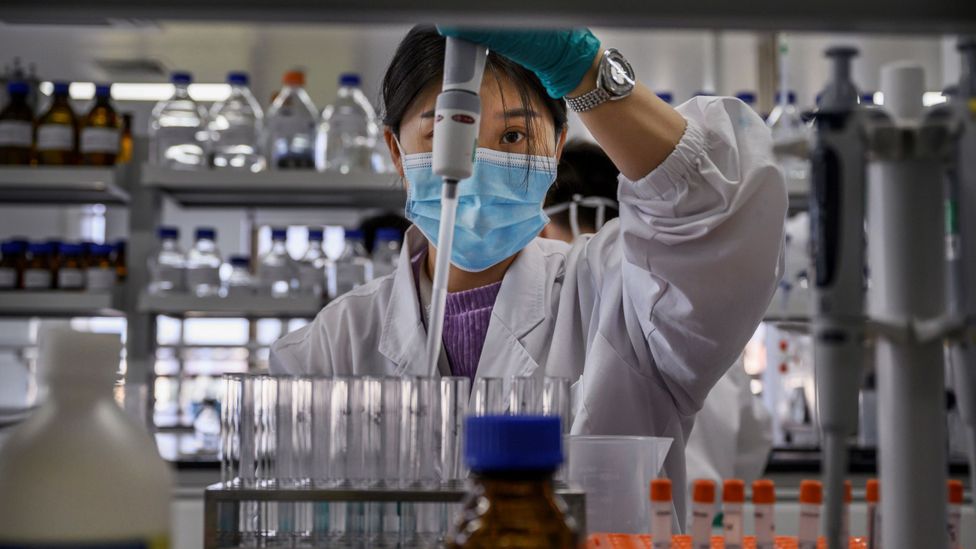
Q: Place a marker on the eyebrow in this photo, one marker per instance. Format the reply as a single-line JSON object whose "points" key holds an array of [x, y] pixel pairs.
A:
{"points": [[511, 113]]}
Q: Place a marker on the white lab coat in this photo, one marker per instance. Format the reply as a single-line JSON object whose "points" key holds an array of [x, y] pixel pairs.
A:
{"points": [[646, 315]]}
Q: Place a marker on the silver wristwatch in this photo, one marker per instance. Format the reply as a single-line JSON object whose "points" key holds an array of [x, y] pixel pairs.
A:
{"points": [[614, 80]]}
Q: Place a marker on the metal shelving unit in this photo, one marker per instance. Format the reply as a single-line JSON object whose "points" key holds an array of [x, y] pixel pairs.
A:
{"points": [[71, 185], [280, 189], [60, 304], [187, 305]]}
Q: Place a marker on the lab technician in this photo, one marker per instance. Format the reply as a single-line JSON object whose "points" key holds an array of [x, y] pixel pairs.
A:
{"points": [[646, 315]]}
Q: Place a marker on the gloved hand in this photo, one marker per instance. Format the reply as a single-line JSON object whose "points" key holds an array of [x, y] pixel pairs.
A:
{"points": [[560, 58]]}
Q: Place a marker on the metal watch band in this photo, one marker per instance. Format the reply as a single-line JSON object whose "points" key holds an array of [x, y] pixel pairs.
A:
{"points": [[588, 100]]}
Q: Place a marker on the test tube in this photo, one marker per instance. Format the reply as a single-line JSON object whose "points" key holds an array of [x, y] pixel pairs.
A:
{"points": [[733, 497], [525, 396], [489, 396], [419, 432], [661, 513], [954, 514], [320, 455], [845, 525], [702, 513], [455, 392], [811, 498], [763, 500], [557, 400], [235, 427], [340, 416], [872, 495]]}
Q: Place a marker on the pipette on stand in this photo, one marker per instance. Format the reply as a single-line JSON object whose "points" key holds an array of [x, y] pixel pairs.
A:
{"points": [[457, 117]]}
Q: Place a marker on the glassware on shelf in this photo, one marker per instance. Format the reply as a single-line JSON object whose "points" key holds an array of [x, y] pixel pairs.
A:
{"points": [[167, 265], [101, 129], [56, 141], [206, 428], [203, 264], [40, 269], [16, 126], [290, 126], [178, 129], [100, 273], [346, 137], [235, 127], [239, 282], [312, 265], [277, 271], [352, 268]]}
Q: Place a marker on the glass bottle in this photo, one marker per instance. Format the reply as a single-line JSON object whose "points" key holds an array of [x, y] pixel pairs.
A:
{"points": [[352, 268], [178, 129], [511, 501], [56, 141], [39, 271], [167, 266], [71, 274], [290, 126], [312, 265], [235, 127], [99, 271], [16, 126], [203, 264], [277, 271], [239, 283], [13, 261], [119, 260], [100, 130], [125, 143]]}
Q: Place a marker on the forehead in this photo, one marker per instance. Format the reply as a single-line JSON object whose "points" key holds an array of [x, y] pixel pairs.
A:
{"points": [[498, 95]]}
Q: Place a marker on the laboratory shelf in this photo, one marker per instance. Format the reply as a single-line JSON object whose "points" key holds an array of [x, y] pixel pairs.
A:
{"points": [[59, 304], [276, 189], [188, 305], [68, 185]]}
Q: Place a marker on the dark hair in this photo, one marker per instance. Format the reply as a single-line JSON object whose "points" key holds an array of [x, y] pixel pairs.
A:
{"points": [[586, 170], [419, 60]]}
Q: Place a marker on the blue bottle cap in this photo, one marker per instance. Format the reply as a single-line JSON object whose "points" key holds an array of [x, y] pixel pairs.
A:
{"points": [[101, 249], [181, 78], [667, 97], [240, 261], [70, 250], [790, 97], [513, 443], [13, 247], [55, 244], [388, 234], [867, 98], [354, 234], [315, 235], [39, 248], [279, 233], [207, 233], [749, 98], [120, 245], [168, 232], [237, 78], [61, 88], [350, 79], [17, 87], [103, 90]]}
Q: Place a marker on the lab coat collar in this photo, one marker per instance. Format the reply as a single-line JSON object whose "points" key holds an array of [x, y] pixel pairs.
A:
{"points": [[519, 309]]}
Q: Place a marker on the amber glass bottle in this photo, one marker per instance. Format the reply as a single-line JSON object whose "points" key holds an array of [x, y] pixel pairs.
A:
{"points": [[100, 131], [39, 271], [13, 261], [71, 273], [118, 259], [512, 502], [125, 145], [16, 127], [56, 141]]}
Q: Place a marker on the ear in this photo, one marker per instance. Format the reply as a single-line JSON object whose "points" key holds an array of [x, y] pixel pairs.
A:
{"points": [[391, 144], [561, 142]]}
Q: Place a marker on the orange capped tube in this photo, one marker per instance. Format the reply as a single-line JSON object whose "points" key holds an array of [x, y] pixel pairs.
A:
{"points": [[811, 498], [763, 500], [661, 513], [954, 513], [733, 496], [872, 495], [702, 513]]}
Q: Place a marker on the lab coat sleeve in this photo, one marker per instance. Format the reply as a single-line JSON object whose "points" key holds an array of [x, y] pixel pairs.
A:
{"points": [[305, 351], [701, 238]]}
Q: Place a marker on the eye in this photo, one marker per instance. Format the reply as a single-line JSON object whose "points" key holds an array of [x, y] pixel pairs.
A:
{"points": [[513, 137]]}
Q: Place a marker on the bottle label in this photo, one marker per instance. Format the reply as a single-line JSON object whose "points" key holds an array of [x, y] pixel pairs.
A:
{"points": [[8, 278], [37, 279], [100, 279], [203, 276], [55, 137], [100, 140], [71, 279], [155, 542], [15, 133]]}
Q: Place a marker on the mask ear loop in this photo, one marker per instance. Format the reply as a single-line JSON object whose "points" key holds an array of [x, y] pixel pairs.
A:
{"points": [[574, 215]]}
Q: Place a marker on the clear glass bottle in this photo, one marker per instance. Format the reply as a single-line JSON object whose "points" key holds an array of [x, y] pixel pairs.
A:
{"points": [[235, 128], [352, 268], [178, 129], [239, 282], [277, 271], [347, 135], [511, 501], [101, 130], [100, 273], [203, 264], [312, 265], [16, 126], [56, 141], [166, 267], [290, 126], [206, 427], [386, 251]]}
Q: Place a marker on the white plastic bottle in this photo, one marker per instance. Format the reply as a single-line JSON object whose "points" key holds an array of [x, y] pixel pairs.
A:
{"points": [[277, 271], [763, 502], [352, 268], [733, 498], [702, 513], [811, 498], [239, 282], [166, 267], [290, 126], [80, 472], [235, 126], [178, 129], [347, 135], [386, 251], [661, 513], [203, 264], [312, 265]]}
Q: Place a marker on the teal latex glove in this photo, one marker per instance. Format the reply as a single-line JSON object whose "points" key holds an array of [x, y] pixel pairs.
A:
{"points": [[560, 58]]}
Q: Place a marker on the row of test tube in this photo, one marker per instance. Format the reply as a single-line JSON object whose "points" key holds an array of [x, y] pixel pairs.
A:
{"points": [[359, 433], [764, 500]]}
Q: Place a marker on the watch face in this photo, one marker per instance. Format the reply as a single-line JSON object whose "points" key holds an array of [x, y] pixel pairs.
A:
{"points": [[617, 74]]}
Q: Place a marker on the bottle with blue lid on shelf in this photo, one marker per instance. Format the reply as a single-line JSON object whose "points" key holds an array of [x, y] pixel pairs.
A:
{"points": [[277, 271], [178, 134], [346, 138], [203, 264], [16, 126], [167, 265], [352, 268], [235, 127]]}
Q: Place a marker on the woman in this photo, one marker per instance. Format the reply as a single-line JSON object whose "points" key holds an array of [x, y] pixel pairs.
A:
{"points": [[645, 315]]}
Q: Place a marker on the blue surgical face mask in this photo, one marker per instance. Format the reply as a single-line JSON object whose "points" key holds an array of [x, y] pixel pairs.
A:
{"points": [[499, 206]]}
